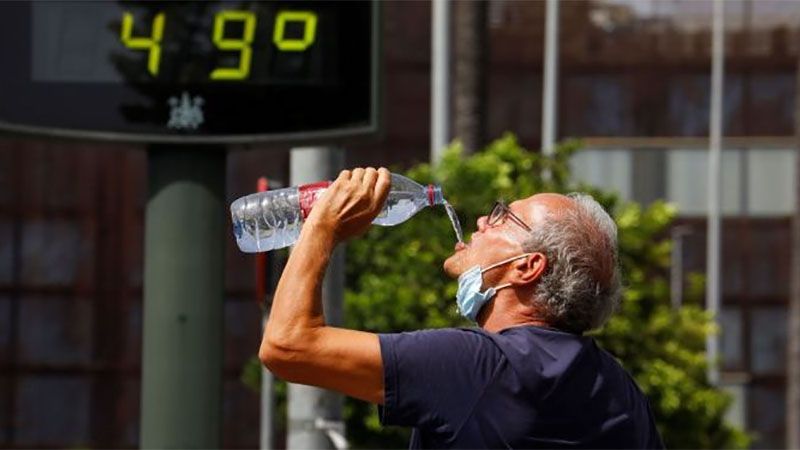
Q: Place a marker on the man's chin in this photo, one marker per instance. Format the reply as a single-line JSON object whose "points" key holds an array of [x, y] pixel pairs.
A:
{"points": [[452, 265]]}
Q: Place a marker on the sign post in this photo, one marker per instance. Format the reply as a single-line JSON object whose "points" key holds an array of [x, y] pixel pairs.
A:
{"points": [[183, 298], [315, 418]]}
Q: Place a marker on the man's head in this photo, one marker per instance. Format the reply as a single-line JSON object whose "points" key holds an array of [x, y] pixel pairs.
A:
{"points": [[570, 279]]}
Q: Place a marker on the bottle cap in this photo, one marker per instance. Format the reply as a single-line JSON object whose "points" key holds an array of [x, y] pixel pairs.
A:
{"points": [[434, 195]]}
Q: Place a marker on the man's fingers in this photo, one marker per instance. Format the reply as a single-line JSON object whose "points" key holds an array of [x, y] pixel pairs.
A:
{"points": [[358, 175], [370, 177], [344, 175], [382, 185], [368, 184]]}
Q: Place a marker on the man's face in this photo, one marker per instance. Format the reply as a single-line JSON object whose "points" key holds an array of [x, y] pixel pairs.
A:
{"points": [[490, 244], [493, 243]]}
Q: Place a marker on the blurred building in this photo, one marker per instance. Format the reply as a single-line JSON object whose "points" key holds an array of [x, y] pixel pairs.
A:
{"points": [[636, 84], [633, 83]]}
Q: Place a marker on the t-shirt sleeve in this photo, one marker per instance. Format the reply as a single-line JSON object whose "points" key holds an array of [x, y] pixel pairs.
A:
{"points": [[433, 378]]}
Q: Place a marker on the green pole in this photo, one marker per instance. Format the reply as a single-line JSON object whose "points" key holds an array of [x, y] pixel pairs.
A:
{"points": [[183, 294]]}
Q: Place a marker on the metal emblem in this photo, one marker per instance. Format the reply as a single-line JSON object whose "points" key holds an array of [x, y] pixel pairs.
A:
{"points": [[186, 113]]}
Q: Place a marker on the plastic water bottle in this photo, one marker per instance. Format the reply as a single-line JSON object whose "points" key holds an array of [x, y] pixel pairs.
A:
{"points": [[271, 220]]}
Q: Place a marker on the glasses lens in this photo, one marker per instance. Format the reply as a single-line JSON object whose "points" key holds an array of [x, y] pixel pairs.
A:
{"points": [[497, 214]]}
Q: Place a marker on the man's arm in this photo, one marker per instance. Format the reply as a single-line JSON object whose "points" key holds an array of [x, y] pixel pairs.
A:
{"points": [[297, 345]]}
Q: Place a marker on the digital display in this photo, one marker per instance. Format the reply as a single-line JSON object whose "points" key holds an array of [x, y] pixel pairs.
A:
{"points": [[174, 42], [174, 71]]}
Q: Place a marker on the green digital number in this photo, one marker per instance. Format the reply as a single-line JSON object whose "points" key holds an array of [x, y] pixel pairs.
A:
{"points": [[152, 44], [227, 44], [309, 20]]}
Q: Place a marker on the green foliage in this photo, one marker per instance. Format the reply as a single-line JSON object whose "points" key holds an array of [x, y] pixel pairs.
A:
{"points": [[395, 283]]}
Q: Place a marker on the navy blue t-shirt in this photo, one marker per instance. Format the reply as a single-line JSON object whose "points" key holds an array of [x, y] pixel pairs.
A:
{"points": [[525, 387]]}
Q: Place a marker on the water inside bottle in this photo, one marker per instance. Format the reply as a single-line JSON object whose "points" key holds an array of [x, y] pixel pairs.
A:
{"points": [[451, 213], [267, 220]]}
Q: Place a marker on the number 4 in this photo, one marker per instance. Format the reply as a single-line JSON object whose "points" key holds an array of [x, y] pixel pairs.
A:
{"points": [[152, 44]]}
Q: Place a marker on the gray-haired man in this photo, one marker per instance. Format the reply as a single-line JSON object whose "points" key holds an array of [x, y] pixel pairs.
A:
{"points": [[534, 276]]}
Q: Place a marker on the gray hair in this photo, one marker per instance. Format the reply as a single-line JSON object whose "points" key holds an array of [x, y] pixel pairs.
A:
{"points": [[580, 287]]}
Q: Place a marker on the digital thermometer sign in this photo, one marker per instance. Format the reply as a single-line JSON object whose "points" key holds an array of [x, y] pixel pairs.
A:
{"points": [[205, 71]]}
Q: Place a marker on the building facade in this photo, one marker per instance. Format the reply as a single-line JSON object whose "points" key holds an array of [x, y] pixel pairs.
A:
{"points": [[633, 85]]}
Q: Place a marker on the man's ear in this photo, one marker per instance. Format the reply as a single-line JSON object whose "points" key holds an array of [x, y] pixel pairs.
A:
{"points": [[529, 269]]}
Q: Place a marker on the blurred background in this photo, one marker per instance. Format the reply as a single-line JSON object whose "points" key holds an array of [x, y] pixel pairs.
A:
{"points": [[633, 100]]}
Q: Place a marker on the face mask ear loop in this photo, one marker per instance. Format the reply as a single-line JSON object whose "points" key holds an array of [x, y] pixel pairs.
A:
{"points": [[506, 261]]}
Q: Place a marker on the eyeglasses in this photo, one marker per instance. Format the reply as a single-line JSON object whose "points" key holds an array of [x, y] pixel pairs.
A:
{"points": [[499, 213]]}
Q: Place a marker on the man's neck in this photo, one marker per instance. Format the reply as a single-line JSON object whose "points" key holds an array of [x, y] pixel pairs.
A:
{"points": [[495, 327], [506, 312]]}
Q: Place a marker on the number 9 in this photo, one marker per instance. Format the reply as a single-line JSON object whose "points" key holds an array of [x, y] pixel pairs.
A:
{"points": [[242, 45]]}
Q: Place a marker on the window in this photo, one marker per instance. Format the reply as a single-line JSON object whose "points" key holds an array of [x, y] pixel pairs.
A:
{"points": [[730, 321], [755, 182], [608, 169], [687, 181], [768, 341], [771, 182], [52, 409]]}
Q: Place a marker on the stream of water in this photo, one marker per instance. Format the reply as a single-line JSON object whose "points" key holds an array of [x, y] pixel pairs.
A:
{"points": [[451, 213]]}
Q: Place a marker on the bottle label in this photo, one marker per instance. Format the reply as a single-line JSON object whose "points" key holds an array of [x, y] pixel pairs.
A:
{"points": [[308, 195]]}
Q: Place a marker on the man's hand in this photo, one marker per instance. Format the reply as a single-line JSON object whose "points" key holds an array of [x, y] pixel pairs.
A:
{"points": [[348, 207]]}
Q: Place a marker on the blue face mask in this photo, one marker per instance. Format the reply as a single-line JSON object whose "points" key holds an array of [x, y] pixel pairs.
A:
{"points": [[469, 297]]}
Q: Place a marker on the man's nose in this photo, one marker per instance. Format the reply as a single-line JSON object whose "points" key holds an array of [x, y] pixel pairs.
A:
{"points": [[482, 223]]}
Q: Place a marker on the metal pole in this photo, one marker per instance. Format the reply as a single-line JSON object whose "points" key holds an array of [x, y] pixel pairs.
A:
{"points": [[314, 414], [676, 267], [183, 293], [263, 290], [267, 436], [714, 191], [550, 85], [440, 78], [274, 269], [793, 332]]}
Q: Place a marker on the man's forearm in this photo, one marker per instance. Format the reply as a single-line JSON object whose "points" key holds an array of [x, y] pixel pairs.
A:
{"points": [[297, 305]]}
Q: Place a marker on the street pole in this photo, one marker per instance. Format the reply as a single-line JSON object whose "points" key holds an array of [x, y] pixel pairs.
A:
{"points": [[267, 436], [550, 80], [471, 66], [314, 414], [676, 266], [440, 78], [264, 286], [183, 298], [793, 332], [714, 191]]}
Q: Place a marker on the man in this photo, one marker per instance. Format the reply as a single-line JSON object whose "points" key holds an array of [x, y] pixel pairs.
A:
{"points": [[534, 276]]}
